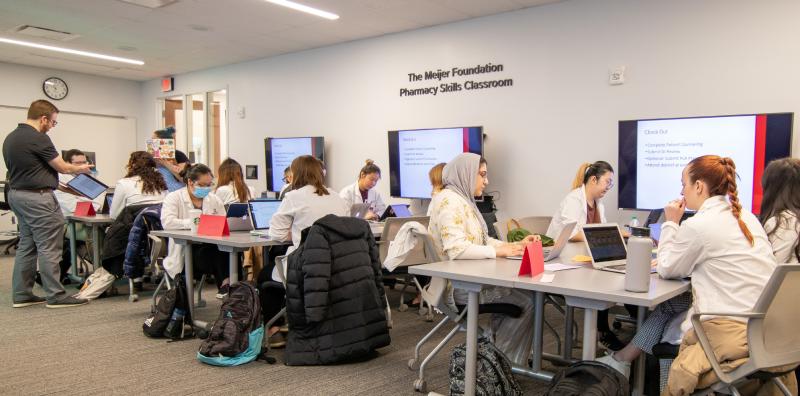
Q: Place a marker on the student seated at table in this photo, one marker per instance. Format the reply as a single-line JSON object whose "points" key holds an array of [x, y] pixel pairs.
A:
{"points": [[287, 182], [583, 206], [363, 191], [459, 231], [308, 201], [206, 258], [780, 208], [722, 248], [142, 184], [171, 168], [231, 187]]}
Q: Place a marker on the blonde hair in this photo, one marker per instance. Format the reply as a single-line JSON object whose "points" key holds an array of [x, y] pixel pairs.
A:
{"points": [[435, 175]]}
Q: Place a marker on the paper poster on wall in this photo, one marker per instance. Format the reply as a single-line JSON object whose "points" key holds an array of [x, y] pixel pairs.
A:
{"points": [[161, 148]]}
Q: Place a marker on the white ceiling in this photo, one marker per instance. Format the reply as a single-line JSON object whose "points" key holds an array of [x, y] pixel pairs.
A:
{"points": [[167, 39]]}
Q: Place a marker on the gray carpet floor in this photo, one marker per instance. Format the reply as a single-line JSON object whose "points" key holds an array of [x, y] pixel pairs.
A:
{"points": [[99, 348]]}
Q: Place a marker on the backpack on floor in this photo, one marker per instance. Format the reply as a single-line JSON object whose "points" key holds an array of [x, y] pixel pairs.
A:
{"points": [[237, 334], [172, 314], [589, 378], [494, 375]]}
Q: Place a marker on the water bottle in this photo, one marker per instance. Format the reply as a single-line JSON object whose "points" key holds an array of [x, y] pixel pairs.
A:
{"points": [[175, 326], [633, 223], [637, 270]]}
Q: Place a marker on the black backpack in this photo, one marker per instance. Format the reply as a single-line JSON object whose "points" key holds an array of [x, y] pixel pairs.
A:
{"points": [[159, 324], [494, 377], [589, 378], [240, 314]]}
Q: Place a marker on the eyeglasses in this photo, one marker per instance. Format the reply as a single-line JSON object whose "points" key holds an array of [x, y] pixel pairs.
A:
{"points": [[52, 121]]}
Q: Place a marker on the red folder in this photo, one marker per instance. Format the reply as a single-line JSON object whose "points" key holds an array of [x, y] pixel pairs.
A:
{"points": [[211, 225], [84, 208], [532, 260]]}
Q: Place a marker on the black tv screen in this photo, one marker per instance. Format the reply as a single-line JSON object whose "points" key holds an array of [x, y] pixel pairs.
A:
{"points": [[653, 153], [280, 152], [412, 153]]}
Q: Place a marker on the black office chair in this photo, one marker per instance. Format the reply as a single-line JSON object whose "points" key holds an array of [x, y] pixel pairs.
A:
{"points": [[12, 242]]}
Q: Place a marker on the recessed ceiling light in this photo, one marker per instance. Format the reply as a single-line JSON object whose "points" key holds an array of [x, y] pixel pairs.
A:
{"points": [[71, 51], [199, 28], [305, 8]]}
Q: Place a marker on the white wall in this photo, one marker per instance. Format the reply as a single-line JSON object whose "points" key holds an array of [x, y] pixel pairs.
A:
{"points": [[683, 58]]}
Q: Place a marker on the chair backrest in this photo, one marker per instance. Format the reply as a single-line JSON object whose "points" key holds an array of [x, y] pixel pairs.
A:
{"points": [[774, 340], [390, 229], [158, 249], [536, 224]]}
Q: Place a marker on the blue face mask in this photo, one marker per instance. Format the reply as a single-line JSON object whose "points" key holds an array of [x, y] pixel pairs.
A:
{"points": [[201, 192]]}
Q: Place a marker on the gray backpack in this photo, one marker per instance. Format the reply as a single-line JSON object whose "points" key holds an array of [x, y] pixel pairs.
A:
{"points": [[589, 378], [494, 377]]}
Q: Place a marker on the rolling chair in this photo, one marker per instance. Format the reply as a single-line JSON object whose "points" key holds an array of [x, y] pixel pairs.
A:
{"points": [[416, 256], [13, 241]]}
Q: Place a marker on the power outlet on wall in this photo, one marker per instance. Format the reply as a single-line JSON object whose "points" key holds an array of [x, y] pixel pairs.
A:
{"points": [[241, 113], [616, 76]]}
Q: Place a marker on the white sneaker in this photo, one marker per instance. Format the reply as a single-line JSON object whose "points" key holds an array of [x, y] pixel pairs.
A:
{"points": [[622, 367]]}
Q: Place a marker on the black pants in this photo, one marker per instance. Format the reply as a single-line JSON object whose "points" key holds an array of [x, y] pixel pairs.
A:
{"points": [[602, 317], [209, 260], [271, 292]]}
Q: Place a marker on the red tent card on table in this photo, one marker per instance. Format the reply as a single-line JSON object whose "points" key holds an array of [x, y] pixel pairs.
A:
{"points": [[84, 208], [211, 225], [532, 260]]}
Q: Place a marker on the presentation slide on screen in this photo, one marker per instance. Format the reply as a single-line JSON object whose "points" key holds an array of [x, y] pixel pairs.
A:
{"points": [[419, 151], [664, 147], [283, 152]]}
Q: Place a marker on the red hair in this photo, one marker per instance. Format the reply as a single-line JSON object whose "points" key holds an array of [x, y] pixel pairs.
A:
{"points": [[720, 175]]}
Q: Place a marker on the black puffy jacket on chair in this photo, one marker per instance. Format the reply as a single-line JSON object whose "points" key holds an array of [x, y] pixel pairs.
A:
{"points": [[334, 294]]}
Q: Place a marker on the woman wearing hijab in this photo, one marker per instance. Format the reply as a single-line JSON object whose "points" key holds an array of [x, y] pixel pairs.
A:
{"points": [[459, 231]]}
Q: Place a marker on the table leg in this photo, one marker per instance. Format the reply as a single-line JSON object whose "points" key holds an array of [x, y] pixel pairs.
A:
{"points": [[538, 330], [638, 373], [589, 333], [569, 319], [472, 344], [233, 267], [73, 246], [96, 247]]}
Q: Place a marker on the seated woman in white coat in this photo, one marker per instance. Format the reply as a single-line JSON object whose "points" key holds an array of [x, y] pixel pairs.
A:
{"points": [[363, 191], [307, 201], [175, 215], [722, 248], [231, 186], [142, 184], [582, 205], [780, 208], [459, 231]]}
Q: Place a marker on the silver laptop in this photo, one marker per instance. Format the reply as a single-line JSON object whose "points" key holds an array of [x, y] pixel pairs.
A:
{"points": [[606, 247], [261, 212], [554, 251], [359, 210], [238, 215]]}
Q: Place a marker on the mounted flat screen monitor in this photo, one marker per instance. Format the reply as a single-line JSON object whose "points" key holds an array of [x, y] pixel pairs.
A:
{"points": [[412, 153], [653, 153], [280, 152]]}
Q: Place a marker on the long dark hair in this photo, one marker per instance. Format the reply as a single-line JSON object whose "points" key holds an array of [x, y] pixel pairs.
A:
{"points": [[781, 185], [587, 170], [142, 164], [720, 175], [231, 172]]}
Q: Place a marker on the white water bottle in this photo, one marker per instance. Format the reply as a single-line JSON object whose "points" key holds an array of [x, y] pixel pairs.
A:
{"points": [[634, 223], [637, 270]]}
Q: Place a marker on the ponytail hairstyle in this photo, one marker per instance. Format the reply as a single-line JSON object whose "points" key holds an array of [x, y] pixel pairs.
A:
{"points": [[720, 175], [781, 185], [166, 133], [587, 170], [231, 172], [307, 170], [369, 168], [142, 164], [194, 171]]}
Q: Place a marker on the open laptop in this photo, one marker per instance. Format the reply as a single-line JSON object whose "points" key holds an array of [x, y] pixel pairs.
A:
{"points": [[555, 250], [87, 185], [106, 208], [395, 210], [606, 247], [261, 212], [238, 215], [359, 210]]}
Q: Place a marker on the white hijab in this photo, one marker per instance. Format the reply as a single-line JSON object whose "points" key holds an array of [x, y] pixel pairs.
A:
{"points": [[459, 176]]}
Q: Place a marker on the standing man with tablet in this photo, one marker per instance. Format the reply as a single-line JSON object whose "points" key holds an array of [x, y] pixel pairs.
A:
{"points": [[33, 166]]}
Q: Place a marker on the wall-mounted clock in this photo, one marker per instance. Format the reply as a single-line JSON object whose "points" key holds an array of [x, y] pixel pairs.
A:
{"points": [[55, 88]]}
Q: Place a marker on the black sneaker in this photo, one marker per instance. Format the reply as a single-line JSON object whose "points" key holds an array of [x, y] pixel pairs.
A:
{"points": [[67, 302], [610, 341], [33, 300]]}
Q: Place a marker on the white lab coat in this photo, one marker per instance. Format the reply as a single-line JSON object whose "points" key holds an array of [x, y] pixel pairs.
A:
{"points": [[728, 274], [68, 201], [175, 216], [785, 237], [298, 210], [227, 194], [129, 192], [352, 195], [573, 208], [404, 242]]}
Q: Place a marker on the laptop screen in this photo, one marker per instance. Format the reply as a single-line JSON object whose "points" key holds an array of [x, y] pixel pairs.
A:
{"points": [[605, 243], [401, 210], [237, 209], [87, 185], [262, 212]]}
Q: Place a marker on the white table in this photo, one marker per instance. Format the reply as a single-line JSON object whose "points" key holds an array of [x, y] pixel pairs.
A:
{"points": [[97, 223], [237, 241], [585, 288]]}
